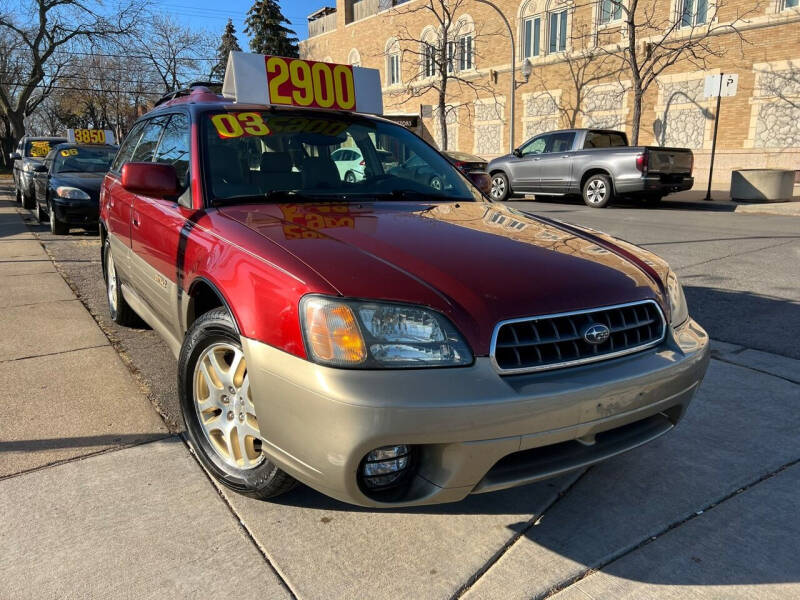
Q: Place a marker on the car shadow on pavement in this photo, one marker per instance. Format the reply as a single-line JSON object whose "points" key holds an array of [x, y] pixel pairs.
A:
{"points": [[112, 439], [756, 321], [667, 203]]}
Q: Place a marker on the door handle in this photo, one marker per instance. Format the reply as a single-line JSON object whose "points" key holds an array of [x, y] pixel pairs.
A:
{"points": [[135, 220], [537, 158], [565, 156]]}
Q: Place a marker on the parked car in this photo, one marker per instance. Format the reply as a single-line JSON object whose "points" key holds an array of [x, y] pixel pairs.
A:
{"points": [[466, 162], [598, 164], [350, 162], [67, 185], [30, 153], [417, 169], [386, 342]]}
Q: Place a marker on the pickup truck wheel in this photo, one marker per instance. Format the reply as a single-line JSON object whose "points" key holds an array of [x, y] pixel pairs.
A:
{"points": [[121, 313], [217, 405], [597, 191], [500, 188]]}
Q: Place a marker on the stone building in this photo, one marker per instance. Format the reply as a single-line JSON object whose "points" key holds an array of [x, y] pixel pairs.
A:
{"points": [[576, 77]]}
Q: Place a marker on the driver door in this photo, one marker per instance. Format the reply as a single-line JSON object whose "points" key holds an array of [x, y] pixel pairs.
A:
{"points": [[525, 168]]}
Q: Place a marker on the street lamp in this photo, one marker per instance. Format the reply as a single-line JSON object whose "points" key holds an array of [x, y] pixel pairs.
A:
{"points": [[526, 69]]}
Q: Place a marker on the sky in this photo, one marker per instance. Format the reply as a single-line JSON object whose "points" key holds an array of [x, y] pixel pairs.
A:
{"points": [[212, 15]]}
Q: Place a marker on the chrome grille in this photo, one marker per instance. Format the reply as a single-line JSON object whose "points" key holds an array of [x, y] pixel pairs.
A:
{"points": [[555, 341]]}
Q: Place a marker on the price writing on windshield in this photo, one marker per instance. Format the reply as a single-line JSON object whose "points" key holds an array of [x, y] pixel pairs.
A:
{"points": [[295, 82], [243, 124], [40, 148], [90, 136]]}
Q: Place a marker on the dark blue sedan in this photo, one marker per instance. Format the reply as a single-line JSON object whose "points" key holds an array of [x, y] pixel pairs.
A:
{"points": [[67, 185]]}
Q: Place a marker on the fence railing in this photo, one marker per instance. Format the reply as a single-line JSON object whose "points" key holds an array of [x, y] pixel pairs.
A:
{"points": [[322, 25]]}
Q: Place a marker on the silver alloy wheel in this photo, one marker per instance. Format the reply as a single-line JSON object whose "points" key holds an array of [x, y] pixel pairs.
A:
{"points": [[498, 187], [225, 407], [436, 184], [596, 191], [112, 285]]}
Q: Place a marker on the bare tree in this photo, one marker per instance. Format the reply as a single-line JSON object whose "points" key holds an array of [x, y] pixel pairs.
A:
{"points": [[176, 53], [584, 69], [38, 44], [654, 38], [442, 59]]}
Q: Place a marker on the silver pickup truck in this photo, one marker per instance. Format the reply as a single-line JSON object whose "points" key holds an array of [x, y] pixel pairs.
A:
{"points": [[598, 164]]}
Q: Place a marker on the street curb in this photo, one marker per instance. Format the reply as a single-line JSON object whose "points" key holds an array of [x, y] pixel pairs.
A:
{"points": [[786, 209]]}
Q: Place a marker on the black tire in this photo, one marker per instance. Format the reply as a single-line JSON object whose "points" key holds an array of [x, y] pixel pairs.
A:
{"points": [[17, 195], [350, 177], [501, 190], [27, 201], [119, 310], [38, 213], [56, 226], [265, 480], [597, 191]]}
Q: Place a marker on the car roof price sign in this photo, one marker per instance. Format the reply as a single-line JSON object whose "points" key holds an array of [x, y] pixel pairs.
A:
{"points": [[280, 81]]}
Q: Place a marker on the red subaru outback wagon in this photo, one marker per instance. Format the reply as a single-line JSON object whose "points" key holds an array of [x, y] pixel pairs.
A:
{"points": [[384, 341]]}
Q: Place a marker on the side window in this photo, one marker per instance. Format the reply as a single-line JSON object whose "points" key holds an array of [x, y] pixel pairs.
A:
{"points": [[173, 149], [560, 142], [616, 140], [128, 146], [535, 146], [146, 147]]}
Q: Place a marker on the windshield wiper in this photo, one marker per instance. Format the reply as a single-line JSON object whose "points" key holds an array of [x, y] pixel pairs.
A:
{"points": [[270, 196]]}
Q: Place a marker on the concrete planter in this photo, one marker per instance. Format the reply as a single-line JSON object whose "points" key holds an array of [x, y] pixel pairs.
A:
{"points": [[762, 185]]}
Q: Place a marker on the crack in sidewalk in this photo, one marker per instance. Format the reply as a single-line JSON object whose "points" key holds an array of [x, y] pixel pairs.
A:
{"points": [[535, 520], [674, 525]]}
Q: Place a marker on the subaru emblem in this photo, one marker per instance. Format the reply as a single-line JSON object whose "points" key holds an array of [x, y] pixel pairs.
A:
{"points": [[596, 333]]}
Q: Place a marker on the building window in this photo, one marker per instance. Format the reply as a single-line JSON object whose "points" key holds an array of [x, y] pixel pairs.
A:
{"points": [[393, 69], [465, 53], [694, 12], [610, 10], [789, 4], [558, 31], [451, 57], [429, 60], [354, 58], [531, 37]]}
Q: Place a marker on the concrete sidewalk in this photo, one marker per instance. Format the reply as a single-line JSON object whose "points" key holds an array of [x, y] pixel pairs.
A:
{"points": [[89, 508]]}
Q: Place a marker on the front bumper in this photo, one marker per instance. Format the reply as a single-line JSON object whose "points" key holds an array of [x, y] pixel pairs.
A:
{"points": [[475, 430], [78, 213]]}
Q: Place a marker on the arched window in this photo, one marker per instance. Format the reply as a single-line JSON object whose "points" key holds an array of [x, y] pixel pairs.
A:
{"points": [[557, 26], [461, 48], [354, 58], [393, 74], [428, 49], [531, 18]]}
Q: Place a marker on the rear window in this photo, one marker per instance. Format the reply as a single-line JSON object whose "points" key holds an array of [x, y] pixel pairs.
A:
{"points": [[604, 139], [39, 148], [249, 154]]}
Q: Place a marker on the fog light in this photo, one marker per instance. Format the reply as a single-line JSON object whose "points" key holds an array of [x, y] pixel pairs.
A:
{"points": [[385, 466]]}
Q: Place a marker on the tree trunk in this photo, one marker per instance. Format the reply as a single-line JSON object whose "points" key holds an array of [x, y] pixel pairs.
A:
{"points": [[442, 117], [637, 113]]}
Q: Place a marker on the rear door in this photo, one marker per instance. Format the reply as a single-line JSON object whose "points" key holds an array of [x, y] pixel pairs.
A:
{"points": [[157, 226], [555, 166], [525, 168]]}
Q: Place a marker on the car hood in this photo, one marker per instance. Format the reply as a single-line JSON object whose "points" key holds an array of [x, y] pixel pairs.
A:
{"points": [[89, 182], [477, 262]]}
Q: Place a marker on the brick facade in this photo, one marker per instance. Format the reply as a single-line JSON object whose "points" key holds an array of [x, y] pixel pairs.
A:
{"points": [[759, 127]]}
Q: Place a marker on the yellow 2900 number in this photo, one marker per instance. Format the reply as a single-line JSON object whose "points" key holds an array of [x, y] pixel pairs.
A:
{"points": [[296, 82]]}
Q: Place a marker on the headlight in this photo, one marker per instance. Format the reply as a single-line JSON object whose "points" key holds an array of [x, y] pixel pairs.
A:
{"points": [[377, 335], [678, 309], [71, 193]]}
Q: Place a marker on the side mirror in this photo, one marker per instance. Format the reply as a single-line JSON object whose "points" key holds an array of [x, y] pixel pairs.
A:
{"points": [[14, 155], [481, 180], [40, 168], [150, 179], [517, 152]]}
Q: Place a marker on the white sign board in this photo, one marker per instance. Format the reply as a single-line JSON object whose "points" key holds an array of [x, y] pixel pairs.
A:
{"points": [[280, 81], [730, 82]]}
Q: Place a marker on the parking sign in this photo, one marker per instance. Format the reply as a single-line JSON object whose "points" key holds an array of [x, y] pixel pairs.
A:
{"points": [[730, 82]]}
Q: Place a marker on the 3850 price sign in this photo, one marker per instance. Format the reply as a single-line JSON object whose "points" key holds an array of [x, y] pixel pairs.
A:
{"points": [[90, 136], [295, 82]]}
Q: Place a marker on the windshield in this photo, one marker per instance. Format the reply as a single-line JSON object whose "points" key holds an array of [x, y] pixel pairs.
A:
{"points": [[40, 148], [251, 155], [83, 159]]}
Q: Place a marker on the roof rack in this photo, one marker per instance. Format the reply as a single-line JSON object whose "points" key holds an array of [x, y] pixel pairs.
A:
{"points": [[213, 86]]}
